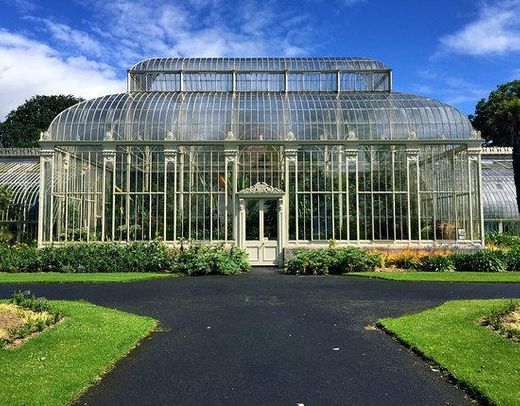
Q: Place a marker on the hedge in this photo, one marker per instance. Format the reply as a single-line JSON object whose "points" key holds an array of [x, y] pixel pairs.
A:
{"points": [[331, 260], [131, 257]]}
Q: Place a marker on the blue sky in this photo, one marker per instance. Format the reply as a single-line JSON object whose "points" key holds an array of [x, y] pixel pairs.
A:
{"points": [[455, 51]]}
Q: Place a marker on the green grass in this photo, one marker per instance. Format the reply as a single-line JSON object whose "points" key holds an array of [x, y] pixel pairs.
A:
{"points": [[56, 366], [443, 276], [57, 277], [482, 360]]}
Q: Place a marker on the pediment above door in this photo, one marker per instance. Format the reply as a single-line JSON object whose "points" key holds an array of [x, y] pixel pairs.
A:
{"points": [[261, 190]]}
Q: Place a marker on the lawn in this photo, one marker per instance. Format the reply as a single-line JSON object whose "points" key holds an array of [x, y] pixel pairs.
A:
{"points": [[58, 277], [483, 361], [56, 366], [443, 276]]}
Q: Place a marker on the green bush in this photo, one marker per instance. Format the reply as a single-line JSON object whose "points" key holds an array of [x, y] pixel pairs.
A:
{"points": [[480, 261], [211, 259], [504, 240], [353, 259], [132, 257], [513, 259], [332, 260], [437, 263], [309, 262]]}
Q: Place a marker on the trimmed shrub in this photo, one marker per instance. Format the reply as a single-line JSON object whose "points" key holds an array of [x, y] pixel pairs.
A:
{"points": [[322, 261], [309, 262], [211, 259], [353, 259], [132, 257], [480, 261], [437, 263]]}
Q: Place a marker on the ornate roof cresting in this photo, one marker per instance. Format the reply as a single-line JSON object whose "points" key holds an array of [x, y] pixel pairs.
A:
{"points": [[261, 188], [290, 136], [230, 136]]}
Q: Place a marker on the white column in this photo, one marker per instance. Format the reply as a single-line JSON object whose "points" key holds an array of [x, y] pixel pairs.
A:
{"points": [[241, 237], [412, 166], [282, 234], [290, 155], [341, 157], [170, 160], [109, 166], [352, 155], [474, 167], [231, 163], [45, 213]]}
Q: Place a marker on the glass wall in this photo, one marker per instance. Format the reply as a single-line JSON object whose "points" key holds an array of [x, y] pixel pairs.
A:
{"points": [[344, 192]]}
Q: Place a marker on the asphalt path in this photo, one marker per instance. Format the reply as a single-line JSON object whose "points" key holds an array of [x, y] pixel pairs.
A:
{"points": [[269, 339]]}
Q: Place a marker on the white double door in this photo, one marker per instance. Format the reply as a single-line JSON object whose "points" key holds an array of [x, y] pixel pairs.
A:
{"points": [[261, 231]]}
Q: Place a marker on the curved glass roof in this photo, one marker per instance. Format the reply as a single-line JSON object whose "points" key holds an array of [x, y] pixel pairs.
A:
{"points": [[20, 170], [208, 116], [259, 64], [498, 185]]}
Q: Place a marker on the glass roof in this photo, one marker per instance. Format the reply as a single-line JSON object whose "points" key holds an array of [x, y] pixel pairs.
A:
{"points": [[498, 186], [20, 170], [259, 64], [202, 116]]}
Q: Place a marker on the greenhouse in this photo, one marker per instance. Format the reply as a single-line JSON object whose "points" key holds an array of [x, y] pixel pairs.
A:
{"points": [[270, 154], [20, 172], [499, 192]]}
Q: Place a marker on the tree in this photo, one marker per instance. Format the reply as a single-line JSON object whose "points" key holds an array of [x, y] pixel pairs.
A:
{"points": [[23, 125], [6, 197], [498, 118]]}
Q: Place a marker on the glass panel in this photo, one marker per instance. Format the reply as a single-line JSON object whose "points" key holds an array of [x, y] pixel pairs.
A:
{"points": [[271, 219], [252, 220]]}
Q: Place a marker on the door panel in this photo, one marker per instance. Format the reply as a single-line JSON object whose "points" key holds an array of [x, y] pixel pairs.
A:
{"points": [[252, 220], [270, 210], [261, 231]]}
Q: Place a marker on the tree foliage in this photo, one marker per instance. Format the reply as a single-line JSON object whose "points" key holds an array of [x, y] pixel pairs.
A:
{"points": [[6, 197], [498, 118], [22, 127]]}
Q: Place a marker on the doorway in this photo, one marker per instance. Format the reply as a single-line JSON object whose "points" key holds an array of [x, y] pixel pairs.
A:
{"points": [[262, 231]]}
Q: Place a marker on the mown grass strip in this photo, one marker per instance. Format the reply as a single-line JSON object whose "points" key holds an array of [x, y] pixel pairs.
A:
{"points": [[56, 366], [57, 277], [494, 277], [481, 360]]}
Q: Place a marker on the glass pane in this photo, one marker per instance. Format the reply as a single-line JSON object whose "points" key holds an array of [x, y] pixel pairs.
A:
{"points": [[271, 219], [252, 220]]}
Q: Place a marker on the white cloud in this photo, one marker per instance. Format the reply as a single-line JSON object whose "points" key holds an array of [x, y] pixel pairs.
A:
{"points": [[89, 56], [74, 38], [448, 88], [495, 31], [143, 28], [28, 67], [349, 3]]}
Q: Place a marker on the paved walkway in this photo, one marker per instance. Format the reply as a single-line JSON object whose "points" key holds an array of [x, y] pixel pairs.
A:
{"points": [[266, 338]]}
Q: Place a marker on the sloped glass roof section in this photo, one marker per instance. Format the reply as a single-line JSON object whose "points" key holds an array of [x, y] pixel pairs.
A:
{"points": [[209, 116], [20, 170], [498, 184], [259, 74], [259, 64]]}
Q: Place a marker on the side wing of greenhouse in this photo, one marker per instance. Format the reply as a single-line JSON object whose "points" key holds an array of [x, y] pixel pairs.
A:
{"points": [[20, 174]]}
